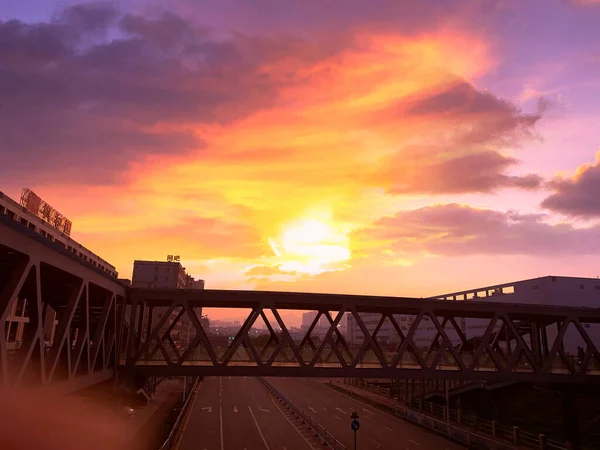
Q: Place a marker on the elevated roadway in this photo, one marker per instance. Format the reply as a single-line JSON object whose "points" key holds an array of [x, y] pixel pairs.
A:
{"points": [[240, 414]]}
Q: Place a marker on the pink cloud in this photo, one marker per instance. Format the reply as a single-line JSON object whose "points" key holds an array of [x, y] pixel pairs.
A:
{"points": [[579, 195]]}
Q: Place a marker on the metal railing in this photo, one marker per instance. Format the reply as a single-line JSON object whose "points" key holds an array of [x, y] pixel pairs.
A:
{"points": [[175, 433], [320, 431], [456, 433], [369, 387], [470, 422]]}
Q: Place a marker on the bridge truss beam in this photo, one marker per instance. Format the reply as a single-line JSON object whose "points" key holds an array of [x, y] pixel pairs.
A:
{"points": [[60, 321], [516, 342], [66, 323]]}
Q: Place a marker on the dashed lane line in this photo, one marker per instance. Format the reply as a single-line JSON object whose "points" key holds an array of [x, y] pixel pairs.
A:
{"points": [[376, 443], [258, 428]]}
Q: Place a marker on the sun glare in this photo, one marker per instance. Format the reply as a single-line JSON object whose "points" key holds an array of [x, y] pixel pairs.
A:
{"points": [[311, 246]]}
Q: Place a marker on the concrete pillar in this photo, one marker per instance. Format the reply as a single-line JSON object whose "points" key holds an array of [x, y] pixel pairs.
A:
{"points": [[49, 324], [516, 435], [570, 419], [535, 342], [545, 348], [140, 325]]}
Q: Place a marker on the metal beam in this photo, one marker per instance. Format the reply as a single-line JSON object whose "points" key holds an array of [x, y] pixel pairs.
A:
{"points": [[72, 287]]}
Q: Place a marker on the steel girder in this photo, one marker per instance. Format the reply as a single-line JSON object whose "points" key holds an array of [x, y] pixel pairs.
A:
{"points": [[74, 314], [101, 324], [516, 342]]}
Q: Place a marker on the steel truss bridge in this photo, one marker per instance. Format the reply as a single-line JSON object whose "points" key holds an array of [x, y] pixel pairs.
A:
{"points": [[104, 327]]}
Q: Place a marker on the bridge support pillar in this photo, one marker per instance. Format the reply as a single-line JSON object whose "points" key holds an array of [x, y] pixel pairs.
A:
{"points": [[542, 441], [570, 419]]}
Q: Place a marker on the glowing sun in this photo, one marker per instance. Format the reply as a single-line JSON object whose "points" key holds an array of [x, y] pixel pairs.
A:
{"points": [[311, 246]]}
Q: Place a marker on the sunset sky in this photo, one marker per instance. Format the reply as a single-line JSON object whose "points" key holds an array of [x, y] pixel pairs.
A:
{"points": [[384, 147]]}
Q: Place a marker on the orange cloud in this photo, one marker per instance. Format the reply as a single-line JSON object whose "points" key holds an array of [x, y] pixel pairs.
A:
{"points": [[318, 150], [275, 152]]}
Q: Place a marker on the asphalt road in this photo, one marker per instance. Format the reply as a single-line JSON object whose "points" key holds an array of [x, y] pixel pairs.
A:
{"points": [[378, 430], [240, 414]]}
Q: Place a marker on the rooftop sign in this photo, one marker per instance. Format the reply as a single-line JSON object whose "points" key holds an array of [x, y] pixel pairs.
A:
{"points": [[44, 211]]}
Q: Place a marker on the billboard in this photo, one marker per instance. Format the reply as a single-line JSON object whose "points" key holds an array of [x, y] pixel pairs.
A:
{"points": [[45, 212]]}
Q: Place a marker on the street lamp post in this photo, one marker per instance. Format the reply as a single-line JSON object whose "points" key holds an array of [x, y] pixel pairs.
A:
{"points": [[355, 425]]}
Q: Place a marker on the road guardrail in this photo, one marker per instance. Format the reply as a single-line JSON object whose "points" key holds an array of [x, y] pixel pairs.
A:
{"points": [[326, 436]]}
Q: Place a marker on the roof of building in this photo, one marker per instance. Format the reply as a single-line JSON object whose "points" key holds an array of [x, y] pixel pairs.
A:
{"points": [[547, 278]]}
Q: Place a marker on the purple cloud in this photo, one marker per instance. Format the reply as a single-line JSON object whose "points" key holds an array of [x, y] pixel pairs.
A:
{"points": [[578, 196], [455, 230], [88, 89], [467, 157], [583, 2], [482, 172]]}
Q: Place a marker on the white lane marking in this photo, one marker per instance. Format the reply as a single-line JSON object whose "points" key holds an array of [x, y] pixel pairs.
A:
{"points": [[389, 429], [221, 426], [337, 417], [366, 410], [324, 408], [235, 409], [258, 428], [370, 418], [416, 443], [311, 408], [207, 408], [376, 443], [264, 410], [341, 410]]}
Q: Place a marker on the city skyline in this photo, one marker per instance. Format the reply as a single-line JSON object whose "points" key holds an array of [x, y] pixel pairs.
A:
{"points": [[390, 149]]}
